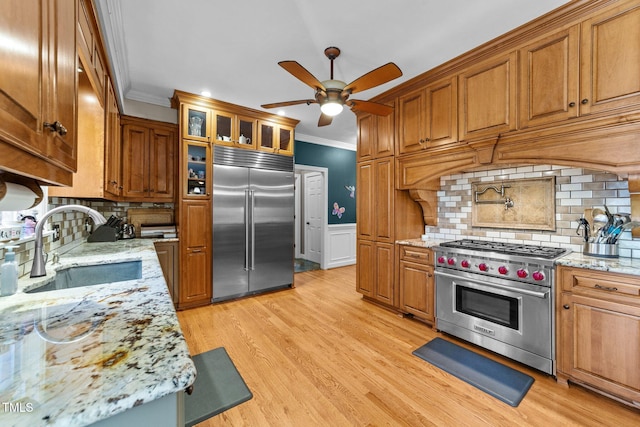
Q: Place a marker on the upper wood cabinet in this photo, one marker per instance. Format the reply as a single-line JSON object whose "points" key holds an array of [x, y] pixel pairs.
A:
{"points": [[89, 47], [112, 145], [549, 78], [584, 69], [610, 59], [275, 138], [235, 130], [148, 160], [208, 120], [487, 98], [38, 89], [375, 136], [428, 117]]}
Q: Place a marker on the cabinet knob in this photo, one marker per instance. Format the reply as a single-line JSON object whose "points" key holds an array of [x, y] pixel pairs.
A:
{"points": [[584, 101], [566, 306], [572, 104], [56, 127]]}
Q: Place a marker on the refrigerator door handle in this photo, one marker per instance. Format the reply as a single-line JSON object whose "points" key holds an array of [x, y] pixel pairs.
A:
{"points": [[246, 230], [253, 230]]}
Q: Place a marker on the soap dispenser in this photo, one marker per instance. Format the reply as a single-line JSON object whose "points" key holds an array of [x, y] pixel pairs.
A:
{"points": [[9, 273]]}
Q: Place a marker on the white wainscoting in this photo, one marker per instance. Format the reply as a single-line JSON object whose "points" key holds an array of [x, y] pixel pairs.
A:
{"points": [[341, 245]]}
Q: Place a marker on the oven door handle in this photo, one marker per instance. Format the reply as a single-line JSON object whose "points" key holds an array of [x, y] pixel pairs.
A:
{"points": [[541, 295]]}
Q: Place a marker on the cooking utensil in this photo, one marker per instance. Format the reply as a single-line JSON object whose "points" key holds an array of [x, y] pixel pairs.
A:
{"points": [[583, 224]]}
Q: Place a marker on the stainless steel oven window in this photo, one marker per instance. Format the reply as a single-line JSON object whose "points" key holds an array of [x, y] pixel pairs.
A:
{"points": [[499, 309]]}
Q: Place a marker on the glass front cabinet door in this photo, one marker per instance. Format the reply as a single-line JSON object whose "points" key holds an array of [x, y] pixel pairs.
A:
{"points": [[234, 130], [198, 169], [196, 123], [275, 138]]}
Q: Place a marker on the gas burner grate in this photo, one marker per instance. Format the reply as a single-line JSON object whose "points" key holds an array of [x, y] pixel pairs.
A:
{"points": [[506, 248]]}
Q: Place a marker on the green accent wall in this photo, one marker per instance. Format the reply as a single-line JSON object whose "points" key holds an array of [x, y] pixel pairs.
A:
{"points": [[341, 165]]}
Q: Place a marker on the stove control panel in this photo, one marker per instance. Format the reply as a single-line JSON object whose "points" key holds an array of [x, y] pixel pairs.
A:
{"points": [[521, 271]]}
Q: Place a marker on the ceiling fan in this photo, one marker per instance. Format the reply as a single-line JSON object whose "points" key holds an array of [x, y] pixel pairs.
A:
{"points": [[333, 95]]}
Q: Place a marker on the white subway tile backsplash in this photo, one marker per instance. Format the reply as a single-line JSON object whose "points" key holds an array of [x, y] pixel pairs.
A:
{"points": [[576, 189]]}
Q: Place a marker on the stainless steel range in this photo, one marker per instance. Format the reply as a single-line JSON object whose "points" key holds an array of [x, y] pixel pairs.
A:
{"points": [[499, 296]]}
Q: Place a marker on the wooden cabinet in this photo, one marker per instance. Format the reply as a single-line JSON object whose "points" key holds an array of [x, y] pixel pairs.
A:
{"points": [[487, 98], [374, 271], [90, 47], [38, 89], [222, 123], [374, 199], [148, 160], [375, 136], [428, 117], [235, 130], [383, 215], [598, 331], [169, 262], [195, 253], [112, 145], [588, 68], [416, 281], [610, 59], [196, 170], [275, 138], [549, 78]]}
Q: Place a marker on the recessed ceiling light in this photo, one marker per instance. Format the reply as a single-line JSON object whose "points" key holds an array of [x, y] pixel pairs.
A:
{"points": [[281, 112], [206, 93]]}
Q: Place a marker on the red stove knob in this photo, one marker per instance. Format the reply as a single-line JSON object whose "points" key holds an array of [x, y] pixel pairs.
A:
{"points": [[537, 275], [465, 263], [441, 260], [522, 273], [483, 267], [451, 261], [503, 270]]}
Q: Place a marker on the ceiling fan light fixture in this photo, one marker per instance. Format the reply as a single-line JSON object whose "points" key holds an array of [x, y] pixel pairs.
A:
{"points": [[331, 108]]}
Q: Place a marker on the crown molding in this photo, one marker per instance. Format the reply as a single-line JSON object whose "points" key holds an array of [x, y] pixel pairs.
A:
{"points": [[328, 142]]}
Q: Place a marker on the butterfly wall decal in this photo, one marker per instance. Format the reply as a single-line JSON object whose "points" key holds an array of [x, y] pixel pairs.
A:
{"points": [[337, 210], [351, 189]]}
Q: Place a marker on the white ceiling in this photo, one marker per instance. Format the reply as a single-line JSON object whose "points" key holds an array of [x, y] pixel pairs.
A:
{"points": [[231, 48]]}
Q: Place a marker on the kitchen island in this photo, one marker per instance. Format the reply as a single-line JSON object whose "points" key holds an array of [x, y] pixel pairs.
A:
{"points": [[104, 353]]}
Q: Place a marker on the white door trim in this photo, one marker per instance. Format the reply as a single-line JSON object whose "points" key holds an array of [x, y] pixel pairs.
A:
{"points": [[325, 179]]}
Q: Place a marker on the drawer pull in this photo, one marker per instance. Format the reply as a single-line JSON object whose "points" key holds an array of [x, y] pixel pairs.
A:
{"points": [[414, 255], [605, 288]]}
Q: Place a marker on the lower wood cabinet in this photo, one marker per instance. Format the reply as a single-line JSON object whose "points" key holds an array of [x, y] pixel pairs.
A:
{"points": [[195, 254], [374, 271], [169, 262], [416, 282], [598, 332]]}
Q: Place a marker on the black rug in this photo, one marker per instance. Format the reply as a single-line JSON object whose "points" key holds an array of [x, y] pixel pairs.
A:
{"points": [[496, 379]]}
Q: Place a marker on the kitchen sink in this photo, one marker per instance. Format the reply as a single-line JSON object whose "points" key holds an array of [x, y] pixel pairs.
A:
{"points": [[87, 275]]}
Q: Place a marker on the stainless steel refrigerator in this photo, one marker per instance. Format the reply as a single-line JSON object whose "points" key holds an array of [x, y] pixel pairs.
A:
{"points": [[253, 222]]}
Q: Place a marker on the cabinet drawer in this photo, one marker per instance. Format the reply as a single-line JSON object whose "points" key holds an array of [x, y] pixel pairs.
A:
{"points": [[580, 280], [599, 284], [416, 254]]}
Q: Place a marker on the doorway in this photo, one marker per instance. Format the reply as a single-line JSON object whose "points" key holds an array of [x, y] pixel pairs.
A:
{"points": [[311, 200]]}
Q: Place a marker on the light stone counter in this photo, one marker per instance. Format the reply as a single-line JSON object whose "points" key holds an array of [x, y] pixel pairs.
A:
{"points": [[76, 356], [613, 265], [420, 243]]}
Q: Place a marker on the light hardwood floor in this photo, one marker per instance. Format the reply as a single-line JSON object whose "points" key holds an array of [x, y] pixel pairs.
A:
{"points": [[318, 355]]}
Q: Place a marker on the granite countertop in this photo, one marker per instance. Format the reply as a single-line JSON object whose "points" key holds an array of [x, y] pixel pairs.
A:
{"points": [[613, 265], [420, 243], [76, 356]]}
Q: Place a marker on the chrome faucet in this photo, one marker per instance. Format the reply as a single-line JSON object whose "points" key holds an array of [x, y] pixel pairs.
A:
{"points": [[40, 259]]}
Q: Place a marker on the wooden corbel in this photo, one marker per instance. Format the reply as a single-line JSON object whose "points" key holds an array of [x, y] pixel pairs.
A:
{"points": [[428, 201]]}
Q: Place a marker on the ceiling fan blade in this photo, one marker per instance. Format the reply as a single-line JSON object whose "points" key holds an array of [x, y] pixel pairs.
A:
{"points": [[301, 73], [373, 78], [370, 107], [287, 103], [325, 120]]}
